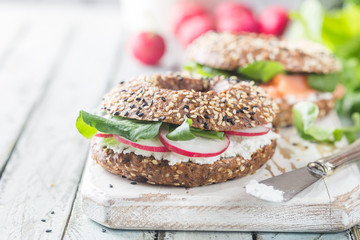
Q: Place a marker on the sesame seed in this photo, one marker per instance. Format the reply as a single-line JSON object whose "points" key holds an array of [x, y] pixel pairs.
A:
{"points": [[126, 113], [139, 108], [186, 106], [206, 116], [245, 108], [123, 90], [48, 230], [137, 112], [43, 220], [122, 82], [188, 115], [133, 183], [140, 114], [252, 118], [224, 118], [162, 118], [116, 113], [103, 230], [132, 106], [132, 93], [52, 212], [163, 98], [206, 126], [252, 113], [125, 99], [123, 176], [152, 102], [111, 186]]}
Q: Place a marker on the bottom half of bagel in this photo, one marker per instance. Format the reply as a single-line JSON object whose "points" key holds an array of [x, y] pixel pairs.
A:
{"points": [[284, 117], [187, 174]]}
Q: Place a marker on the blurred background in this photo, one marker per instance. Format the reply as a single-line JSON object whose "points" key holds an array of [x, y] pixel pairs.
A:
{"points": [[176, 23]]}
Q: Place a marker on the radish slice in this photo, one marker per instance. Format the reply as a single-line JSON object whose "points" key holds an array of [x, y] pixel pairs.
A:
{"points": [[251, 132], [104, 135], [197, 147], [151, 145]]}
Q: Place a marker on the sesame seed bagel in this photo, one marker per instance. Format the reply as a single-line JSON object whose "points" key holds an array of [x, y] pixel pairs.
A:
{"points": [[229, 52], [187, 174], [172, 98]]}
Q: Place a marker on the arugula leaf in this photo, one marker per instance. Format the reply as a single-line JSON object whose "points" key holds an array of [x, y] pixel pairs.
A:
{"points": [[304, 115], [88, 124], [323, 82], [182, 132], [262, 71], [206, 71], [185, 132]]}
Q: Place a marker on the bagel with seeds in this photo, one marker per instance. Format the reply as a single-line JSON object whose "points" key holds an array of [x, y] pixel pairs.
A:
{"points": [[180, 130], [290, 71]]}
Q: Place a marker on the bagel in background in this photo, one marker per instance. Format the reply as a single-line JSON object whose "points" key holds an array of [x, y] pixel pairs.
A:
{"points": [[218, 113], [289, 71]]}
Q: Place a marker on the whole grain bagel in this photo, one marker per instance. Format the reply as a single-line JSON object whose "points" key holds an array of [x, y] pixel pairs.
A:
{"points": [[186, 174], [229, 52], [174, 97]]}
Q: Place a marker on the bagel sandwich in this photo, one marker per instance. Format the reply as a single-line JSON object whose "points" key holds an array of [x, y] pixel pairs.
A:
{"points": [[180, 130], [290, 71]]}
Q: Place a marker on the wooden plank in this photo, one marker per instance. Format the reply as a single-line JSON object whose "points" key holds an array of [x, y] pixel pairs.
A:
{"points": [[80, 227], [300, 236], [44, 170], [23, 77], [178, 235], [226, 206]]}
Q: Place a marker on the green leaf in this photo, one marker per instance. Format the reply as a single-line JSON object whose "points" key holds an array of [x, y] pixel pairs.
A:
{"points": [[128, 128], [185, 132], [207, 134], [205, 70], [304, 115], [182, 132], [84, 129], [323, 83], [262, 71]]}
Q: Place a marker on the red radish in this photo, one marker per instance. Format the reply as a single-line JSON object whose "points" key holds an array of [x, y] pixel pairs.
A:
{"points": [[104, 135], [183, 12], [226, 9], [194, 28], [250, 132], [273, 20], [243, 22], [148, 47], [151, 145], [197, 147]]}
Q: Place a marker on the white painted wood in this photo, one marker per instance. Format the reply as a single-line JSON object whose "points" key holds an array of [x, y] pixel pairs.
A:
{"points": [[300, 236], [179, 235], [80, 227], [44, 170], [23, 77], [226, 206]]}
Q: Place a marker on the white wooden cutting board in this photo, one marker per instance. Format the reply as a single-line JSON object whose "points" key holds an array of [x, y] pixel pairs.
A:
{"points": [[331, 204]]}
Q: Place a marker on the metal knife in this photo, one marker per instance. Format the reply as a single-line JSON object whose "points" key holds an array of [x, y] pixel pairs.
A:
{"points": [[292, 183]]}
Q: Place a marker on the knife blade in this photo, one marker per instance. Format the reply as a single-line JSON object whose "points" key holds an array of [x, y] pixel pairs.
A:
{"points": [[294, 182]]}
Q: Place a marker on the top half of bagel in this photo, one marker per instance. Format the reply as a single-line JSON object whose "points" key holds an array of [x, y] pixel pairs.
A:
{"points": [[228, 51], [218, 105]]}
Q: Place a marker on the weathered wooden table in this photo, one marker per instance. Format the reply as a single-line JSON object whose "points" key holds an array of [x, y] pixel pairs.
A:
{"points": [[54, 62]]}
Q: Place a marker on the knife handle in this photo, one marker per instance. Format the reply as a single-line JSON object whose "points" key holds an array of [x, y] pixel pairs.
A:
{"points": [[327, 165]]}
